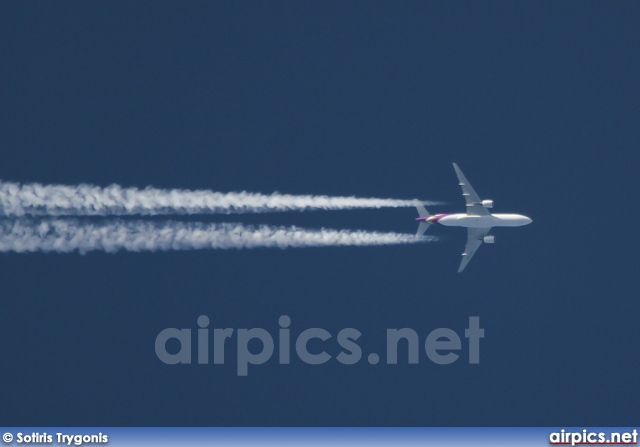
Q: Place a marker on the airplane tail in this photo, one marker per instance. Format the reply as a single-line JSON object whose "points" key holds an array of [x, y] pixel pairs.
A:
{"points": [[424, 214]]}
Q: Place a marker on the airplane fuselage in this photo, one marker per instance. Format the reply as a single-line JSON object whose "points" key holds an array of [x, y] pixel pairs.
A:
{"points": [[467, 221]]}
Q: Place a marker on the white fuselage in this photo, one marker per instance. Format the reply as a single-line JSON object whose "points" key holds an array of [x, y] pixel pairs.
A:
{"points": [[492, 220]]}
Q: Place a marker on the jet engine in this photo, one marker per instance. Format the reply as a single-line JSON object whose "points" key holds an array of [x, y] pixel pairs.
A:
{"points": [[487, 203], [489, 239]]}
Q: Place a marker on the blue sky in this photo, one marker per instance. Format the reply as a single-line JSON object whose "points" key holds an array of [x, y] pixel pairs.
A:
{"points": [[536, 101]]}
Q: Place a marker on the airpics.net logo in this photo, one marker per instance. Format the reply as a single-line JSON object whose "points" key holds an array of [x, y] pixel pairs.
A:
{"points": [[256, 346]]}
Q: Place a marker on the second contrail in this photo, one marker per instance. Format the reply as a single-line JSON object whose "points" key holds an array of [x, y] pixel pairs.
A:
{"points": [[69, 235]]}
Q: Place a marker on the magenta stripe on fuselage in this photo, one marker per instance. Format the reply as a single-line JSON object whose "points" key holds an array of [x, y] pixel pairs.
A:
{"points": [[432, 219], [437, 217]]}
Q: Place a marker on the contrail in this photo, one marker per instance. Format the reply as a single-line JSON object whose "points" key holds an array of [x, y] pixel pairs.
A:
{"points": [[87, 200], [68, 235]]}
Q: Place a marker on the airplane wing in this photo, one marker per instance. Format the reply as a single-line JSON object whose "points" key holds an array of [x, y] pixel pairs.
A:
{"points": [[474, 240], [474, 208]]}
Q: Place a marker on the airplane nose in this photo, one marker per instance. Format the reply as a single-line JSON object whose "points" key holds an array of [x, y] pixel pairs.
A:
{"points": [[528, 220]]}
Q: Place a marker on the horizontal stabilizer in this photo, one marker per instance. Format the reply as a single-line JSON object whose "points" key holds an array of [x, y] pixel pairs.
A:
{"points": [[422, 227], [422, 211]]}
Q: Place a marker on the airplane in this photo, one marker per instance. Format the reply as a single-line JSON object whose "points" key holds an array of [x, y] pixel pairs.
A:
{"points": [[478, 220]]}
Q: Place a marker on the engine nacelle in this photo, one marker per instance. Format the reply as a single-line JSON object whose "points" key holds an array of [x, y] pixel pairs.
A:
{"points": [[487, 203], [489, 239]]}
